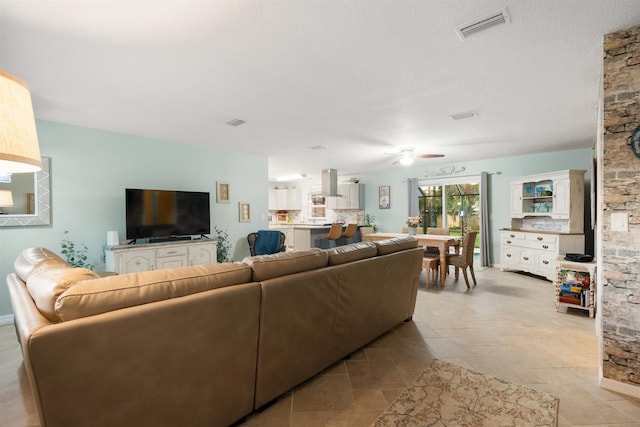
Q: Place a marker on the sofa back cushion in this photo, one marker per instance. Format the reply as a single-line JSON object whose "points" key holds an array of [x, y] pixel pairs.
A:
{"points": [[91, 297], [395, 244], [352, 252], [29, 258], [50, 279], [265, 267]]}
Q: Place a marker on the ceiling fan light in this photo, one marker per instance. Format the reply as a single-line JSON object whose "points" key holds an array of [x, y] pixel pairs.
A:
{"points": [[406, 161]]}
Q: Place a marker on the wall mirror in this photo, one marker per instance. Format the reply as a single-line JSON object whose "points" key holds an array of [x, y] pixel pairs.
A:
{"points": [[31, 198]]}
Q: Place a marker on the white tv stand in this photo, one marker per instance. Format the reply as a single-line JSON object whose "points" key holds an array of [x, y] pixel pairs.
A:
{"points": [[155, 256]]}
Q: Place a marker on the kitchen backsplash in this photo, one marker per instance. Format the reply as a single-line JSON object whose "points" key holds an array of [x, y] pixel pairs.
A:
{"points": [[346, 216]]}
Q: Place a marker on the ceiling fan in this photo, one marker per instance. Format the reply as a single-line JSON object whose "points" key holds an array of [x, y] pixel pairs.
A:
{"points": [[407, 156]]}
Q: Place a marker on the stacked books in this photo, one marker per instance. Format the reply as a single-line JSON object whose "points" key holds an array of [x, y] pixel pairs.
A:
{"points": [[572, 294]]}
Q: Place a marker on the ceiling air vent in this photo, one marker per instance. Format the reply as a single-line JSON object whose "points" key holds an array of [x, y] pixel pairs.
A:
{"points": [[235, 122], [482, 23]]}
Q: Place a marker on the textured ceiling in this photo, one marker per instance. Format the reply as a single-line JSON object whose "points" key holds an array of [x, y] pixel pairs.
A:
{"points": [[363, 78]]}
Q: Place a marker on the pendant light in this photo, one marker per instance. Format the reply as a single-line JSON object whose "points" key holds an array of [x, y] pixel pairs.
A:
{"points": [[19, 150]]}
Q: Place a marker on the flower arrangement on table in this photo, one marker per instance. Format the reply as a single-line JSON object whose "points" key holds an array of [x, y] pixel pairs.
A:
{"points": [[414, 221]]}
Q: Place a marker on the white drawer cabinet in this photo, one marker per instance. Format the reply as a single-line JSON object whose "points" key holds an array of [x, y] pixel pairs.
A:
{"points": [[145, 257], [536, 252]]}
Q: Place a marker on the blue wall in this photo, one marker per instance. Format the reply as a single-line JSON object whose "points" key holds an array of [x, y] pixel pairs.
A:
{"points": [[91, 168]]}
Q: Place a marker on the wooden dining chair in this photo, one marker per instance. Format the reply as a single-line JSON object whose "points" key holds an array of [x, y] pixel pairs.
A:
{"points": [[444, 231], [364, 231], [464, 260]]}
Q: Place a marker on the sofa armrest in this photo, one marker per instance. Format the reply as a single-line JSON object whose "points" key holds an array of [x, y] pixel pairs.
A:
{"points": [[27, 317]]}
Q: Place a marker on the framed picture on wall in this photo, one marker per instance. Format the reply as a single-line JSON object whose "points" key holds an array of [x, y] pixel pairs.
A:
{"points": [[244, 212], [222, 192], [384, 197]]}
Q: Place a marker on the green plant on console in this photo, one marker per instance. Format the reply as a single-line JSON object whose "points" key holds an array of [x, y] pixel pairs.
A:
{"points": [[369, 221], [224, 246], [76, 256]]}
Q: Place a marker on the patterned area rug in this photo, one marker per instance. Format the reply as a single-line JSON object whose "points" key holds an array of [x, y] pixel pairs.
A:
{"points": [[447, 395]]}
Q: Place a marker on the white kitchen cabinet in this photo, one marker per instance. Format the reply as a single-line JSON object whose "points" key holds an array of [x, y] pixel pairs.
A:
{"points": [[294, 199], [273, 202], [155, 256], [285, 199], [352, 197]]}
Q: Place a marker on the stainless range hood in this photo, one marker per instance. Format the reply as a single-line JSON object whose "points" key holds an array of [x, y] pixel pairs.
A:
{"points": [[330, 183]]}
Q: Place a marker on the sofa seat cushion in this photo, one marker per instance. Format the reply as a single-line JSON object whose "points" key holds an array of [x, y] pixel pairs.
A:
{"points": [[29, 258], [265, 267], [395, 244], [91, 297], [50, 279], [353, 252]]}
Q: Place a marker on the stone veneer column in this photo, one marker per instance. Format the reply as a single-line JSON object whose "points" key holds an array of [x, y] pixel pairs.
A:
{"points": [[621, 192]]}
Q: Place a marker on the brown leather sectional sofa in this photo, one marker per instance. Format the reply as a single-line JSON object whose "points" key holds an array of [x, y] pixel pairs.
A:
{"points": [[202, 345]]}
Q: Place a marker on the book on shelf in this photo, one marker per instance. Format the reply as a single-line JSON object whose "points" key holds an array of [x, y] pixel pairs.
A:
{"points": [[582, 298], [573, 287], [576, 295], [568, 300]]}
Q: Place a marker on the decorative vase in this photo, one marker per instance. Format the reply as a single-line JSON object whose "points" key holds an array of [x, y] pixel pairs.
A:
{"points": [[412, 231]]}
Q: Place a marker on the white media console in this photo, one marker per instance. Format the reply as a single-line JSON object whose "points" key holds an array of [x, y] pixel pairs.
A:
{"points": [[155, 256]]}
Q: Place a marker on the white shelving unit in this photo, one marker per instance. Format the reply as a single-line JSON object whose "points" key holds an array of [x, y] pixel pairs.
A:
{"points": [[547, 220], [582, 275]]}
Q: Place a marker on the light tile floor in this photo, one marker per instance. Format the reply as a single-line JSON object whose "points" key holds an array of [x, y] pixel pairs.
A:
{"points": [[505, 326]]}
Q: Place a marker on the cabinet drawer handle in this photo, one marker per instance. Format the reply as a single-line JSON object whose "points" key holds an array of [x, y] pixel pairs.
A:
{"points": [[545, 262], [526, 258], [171, 252], [540, 238], [545, 246], [508, 242], [512, 235], [508, 255]]}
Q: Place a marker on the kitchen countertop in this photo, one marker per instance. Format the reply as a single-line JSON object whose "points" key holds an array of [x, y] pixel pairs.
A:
{"points": [[301, 226]]}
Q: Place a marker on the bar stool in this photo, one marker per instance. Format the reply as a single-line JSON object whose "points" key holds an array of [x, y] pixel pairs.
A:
{"points": [[350, 231], [335, 232]]}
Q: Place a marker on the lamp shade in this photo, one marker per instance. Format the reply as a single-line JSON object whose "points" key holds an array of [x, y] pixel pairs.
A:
{"points": [[19, 151], [6, 199]]}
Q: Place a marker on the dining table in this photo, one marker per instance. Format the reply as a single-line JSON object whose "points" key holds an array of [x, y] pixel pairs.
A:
{"points": [[443, 243]]}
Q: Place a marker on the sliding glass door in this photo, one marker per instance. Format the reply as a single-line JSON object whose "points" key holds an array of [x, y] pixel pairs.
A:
{"points": [[451, 203]]}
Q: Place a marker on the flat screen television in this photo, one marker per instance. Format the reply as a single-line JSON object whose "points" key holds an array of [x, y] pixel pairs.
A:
{"points": [[163, 214]]}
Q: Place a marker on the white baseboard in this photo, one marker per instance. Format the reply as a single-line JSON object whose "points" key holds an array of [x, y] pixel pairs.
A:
{"points": [[6, 320], [619, 387]]}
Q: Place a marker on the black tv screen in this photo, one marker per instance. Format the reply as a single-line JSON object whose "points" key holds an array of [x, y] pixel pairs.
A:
{"points": [[164, 213]]}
